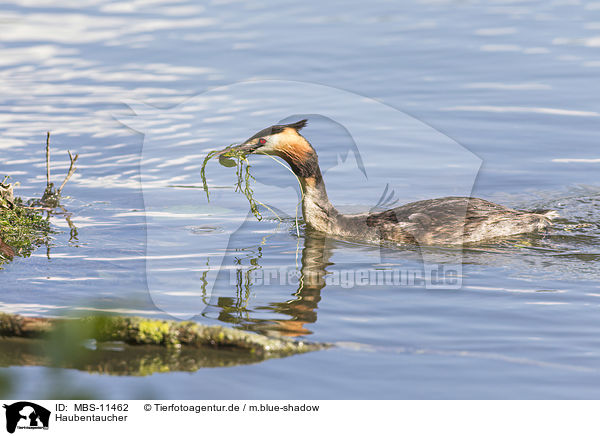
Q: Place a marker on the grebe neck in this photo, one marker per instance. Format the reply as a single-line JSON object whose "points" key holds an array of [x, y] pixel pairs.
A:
{"points": [[302, 158], [317, 210]]}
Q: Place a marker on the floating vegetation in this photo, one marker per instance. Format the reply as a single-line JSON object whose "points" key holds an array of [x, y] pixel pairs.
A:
{"points": [[25, 225]]}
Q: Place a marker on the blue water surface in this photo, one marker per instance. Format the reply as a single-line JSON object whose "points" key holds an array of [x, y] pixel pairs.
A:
{"points": [[500, 98]]}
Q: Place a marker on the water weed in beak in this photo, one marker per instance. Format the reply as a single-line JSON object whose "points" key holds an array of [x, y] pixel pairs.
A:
{"points": [[230, 157]]}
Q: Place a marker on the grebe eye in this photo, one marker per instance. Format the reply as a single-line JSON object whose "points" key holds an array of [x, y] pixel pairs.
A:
{"points": [[262, 141]]}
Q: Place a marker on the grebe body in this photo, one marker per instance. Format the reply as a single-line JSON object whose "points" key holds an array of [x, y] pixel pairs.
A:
{"points": [[440, 221]]}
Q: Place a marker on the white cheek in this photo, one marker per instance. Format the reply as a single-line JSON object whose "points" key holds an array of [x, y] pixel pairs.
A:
{"points": [[270, 146]]}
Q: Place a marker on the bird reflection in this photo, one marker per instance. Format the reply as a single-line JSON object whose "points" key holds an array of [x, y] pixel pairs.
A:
{"points": [[290, 317]]}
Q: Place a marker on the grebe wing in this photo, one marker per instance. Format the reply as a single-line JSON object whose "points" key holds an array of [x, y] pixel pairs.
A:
{"points": [[440, 210]]}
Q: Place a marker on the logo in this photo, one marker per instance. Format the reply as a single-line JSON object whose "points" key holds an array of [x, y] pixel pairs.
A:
{"points": [[182, 279], [26, 415]]}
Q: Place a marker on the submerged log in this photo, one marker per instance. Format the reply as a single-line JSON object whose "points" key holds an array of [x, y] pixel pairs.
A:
{"points": [[144, 331]]}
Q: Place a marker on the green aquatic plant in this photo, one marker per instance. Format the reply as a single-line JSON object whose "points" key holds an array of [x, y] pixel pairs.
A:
{"points": [[230, 157], [233, 157], [208, 157]]}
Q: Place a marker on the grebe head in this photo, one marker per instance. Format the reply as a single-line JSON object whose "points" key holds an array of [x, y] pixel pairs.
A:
{"points": [[284, 141]]}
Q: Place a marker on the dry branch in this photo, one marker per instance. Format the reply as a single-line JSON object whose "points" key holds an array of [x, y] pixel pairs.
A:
{"points": [[72, 170]]}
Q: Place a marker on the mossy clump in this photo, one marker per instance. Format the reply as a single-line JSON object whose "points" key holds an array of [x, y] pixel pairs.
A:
{"points": [[22, 228], [150, 331]]}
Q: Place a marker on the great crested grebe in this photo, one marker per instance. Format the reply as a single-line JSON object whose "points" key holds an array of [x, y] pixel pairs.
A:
{"points": [[440, 221]]}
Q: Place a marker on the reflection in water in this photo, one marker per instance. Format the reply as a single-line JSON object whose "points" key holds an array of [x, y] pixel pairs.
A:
{"points": [[73, 232], [60, 212], [290, 316], [119, 358], [571, 243]]}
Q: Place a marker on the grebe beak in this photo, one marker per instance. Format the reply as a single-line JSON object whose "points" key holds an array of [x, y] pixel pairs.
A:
{"points": [[227, 155], [242, 150], [239, 149]]}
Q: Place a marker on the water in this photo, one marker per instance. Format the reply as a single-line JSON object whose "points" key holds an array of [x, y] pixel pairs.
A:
{"points": [[508, 85]]}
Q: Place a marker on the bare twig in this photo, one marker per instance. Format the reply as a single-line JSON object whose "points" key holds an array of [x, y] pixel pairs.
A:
{"points": [[72, 169], [47, 158]]}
